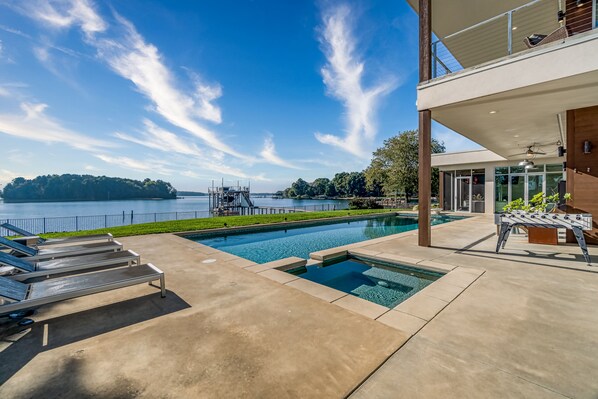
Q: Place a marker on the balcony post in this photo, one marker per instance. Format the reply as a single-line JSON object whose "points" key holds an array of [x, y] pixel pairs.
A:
{"points": [[510, 33], [425, 127]]}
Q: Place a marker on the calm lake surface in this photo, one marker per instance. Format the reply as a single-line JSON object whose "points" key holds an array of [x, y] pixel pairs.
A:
{"points": [[88, 208]]}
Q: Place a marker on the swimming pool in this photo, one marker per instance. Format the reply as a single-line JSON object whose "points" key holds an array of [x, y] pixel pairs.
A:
{"points": [[270, 243], [383, 283]]}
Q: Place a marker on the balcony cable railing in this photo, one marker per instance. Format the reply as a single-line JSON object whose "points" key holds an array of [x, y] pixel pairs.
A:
{"points": [[505, 34]]}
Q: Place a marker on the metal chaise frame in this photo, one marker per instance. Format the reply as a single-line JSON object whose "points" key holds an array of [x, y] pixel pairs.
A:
{"points": [[53, 241], [23, 296], [34, 254], [27, 270]]}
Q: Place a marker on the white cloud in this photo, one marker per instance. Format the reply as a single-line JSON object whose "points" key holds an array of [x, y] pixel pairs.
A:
{"points": [[141, 63], [160, 139], [63, 14], [6, 176], [91, 168], [34, 124], [343, 77], [191, 174], [154, 166], [269, 154]]}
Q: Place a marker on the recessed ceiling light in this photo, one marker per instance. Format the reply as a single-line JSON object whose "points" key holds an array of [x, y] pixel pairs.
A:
{"points": [[515, 135], [514, 28], [492, 112]]}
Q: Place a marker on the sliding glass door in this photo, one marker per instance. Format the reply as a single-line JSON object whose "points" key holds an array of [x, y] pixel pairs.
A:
{"points": [[462, 194]]}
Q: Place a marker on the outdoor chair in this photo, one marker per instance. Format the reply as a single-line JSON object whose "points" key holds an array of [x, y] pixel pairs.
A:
{"points": [[34, 254], [19, 296], [21, 269], [536, 40], [53, 241]]}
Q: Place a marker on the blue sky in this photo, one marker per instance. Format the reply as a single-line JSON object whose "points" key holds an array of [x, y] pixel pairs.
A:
{"points": [[190, 91]]}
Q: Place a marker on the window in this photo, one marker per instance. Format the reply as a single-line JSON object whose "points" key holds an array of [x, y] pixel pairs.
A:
{"points": [[501, 192], [524, 184]]}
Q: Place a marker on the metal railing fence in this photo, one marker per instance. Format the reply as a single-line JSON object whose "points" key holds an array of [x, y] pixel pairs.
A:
{"points": [[493, 38], [80, 223]]}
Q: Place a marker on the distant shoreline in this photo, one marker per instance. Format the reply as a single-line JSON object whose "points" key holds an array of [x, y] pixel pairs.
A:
{"points": [[11, 201]]}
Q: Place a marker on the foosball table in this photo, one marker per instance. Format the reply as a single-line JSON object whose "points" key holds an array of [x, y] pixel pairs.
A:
{"points": [[575, 222]]}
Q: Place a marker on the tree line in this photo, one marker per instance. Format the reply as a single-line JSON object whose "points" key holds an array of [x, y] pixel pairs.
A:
{"points": [[393, 171], [70, 187]]}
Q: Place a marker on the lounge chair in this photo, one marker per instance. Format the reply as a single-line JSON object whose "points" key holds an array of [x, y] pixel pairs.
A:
{"points": [[53, 241], [21, 269], [536, 40], [34, 254], [19, 296]]}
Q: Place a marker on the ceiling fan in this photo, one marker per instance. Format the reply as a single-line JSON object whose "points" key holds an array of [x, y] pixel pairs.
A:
{"points": [[530, 152]]}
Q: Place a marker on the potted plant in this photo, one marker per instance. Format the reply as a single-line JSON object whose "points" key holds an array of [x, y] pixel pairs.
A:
{"points": [[539, 203]]}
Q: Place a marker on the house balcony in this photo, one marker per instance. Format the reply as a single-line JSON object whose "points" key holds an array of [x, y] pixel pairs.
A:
{"points": [[490, 87]]}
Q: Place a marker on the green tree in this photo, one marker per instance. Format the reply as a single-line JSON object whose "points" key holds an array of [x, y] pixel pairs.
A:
{"points": [[330, 190], [356, 184], [395, 164], [300, 187], [319, 185], [85, 187], [341, 183]]}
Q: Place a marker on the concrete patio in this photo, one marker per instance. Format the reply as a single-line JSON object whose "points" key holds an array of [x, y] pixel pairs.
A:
{"points": [[527, 327]]}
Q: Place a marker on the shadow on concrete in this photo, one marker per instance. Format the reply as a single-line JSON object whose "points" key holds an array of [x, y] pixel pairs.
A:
{"points": [[534, 258], [78, 326]]}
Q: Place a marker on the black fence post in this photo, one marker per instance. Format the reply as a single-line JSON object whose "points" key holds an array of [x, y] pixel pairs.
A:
{"points": [[76, 223], [105, 220], [44, 225], [131, 216]]}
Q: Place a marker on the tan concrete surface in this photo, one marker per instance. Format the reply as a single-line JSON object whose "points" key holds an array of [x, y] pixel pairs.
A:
{"points": [[361, 306], [402, 321], [222, 332], [318, 290], [526, 328]]}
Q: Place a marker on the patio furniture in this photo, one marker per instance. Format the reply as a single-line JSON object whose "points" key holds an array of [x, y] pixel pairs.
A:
{"points": [[19, 296], [536, 40], [53, 241], [21, 269], [34, 254], [575, 222]]}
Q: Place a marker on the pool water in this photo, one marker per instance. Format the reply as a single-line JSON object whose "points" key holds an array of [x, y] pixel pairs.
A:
{"points": [[376, 282], [272, 243]]}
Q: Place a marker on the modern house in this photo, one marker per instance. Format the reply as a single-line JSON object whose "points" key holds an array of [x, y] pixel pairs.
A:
{"points": [[520, 78]]}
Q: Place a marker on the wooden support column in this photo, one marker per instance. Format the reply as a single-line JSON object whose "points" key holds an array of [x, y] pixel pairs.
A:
{"points": [[425, 127]]}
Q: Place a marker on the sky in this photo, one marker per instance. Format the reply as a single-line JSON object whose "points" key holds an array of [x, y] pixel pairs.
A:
{"points": [[194, 91]]}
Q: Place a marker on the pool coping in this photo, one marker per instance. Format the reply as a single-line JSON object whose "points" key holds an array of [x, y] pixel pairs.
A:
{"points": [[409, 319], [254, 227], [308, 222], [409, 316]]}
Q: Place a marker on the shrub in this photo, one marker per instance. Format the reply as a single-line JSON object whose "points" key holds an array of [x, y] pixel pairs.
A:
{"points": [[364, 203]]}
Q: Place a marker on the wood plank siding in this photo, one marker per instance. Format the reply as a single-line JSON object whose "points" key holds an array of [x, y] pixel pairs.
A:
{"points": [[582, 169], [579, 19]]}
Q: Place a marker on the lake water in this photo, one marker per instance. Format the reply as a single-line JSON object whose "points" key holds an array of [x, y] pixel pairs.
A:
{"points": [[87, 208]]}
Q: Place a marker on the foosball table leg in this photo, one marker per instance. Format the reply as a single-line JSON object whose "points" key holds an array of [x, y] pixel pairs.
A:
{"points": [[582, 243], [502, 235], [507, 233]]}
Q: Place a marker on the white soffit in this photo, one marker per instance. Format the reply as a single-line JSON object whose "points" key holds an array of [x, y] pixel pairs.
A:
{"points": [[465, 157], [506, 123]]}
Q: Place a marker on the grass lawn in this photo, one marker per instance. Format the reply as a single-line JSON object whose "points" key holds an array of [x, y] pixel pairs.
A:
{"points": [[174, 226]]}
